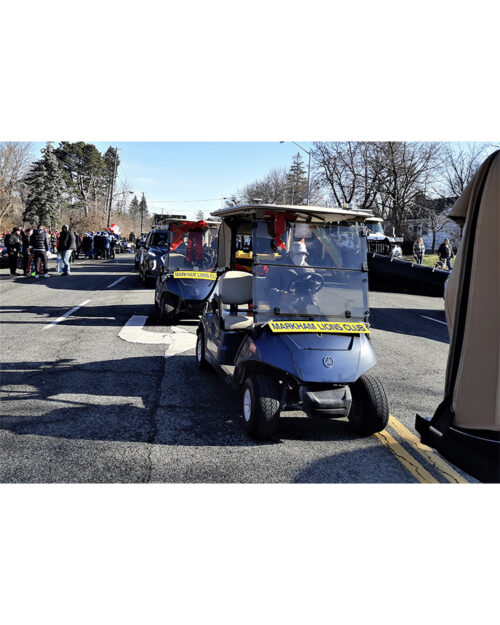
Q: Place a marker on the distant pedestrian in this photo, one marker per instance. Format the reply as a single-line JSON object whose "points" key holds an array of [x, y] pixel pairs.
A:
{"points": [[53, 242], [40, 243], [13, 245], [66, 246], [27, 251], [419, 251], [97, 245], [445, 253]]}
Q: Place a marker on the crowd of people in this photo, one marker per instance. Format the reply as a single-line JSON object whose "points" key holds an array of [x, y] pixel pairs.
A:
{"points": [[30, 249]]}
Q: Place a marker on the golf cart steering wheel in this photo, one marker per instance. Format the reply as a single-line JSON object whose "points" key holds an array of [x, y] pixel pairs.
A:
{"points": [[312, 283], [208, 258]]}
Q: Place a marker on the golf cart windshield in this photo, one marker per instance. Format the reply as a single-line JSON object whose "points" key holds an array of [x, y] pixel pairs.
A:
{"points": [[192, 247], [309, 271]]}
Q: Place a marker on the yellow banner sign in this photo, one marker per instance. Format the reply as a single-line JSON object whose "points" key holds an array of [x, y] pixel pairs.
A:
{"points": [[195, 275], [320, 327]]}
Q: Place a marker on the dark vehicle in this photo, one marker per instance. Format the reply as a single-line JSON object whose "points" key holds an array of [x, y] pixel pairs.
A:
{"points": [[148, 258], [187, 275], [290, 325], [401, 276]]}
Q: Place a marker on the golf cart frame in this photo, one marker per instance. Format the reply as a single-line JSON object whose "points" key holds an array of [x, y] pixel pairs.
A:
{"points": [[188, 274], [293, 336]]}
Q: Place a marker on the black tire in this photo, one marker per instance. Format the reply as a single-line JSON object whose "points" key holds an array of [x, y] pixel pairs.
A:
{"points": [[167, 310], [203, 363], [370, 408], [261, 406]]}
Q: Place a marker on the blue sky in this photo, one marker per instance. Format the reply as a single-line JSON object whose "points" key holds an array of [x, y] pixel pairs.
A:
{"points": [[181, 176]]}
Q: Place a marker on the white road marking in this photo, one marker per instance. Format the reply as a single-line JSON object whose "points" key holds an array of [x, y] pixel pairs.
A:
{"points": [[133, 332], [177, 342], [436, 320], [63, 317], [116, 282]]}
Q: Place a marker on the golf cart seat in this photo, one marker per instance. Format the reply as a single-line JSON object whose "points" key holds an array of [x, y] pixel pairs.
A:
{"points": [[235, 288]]}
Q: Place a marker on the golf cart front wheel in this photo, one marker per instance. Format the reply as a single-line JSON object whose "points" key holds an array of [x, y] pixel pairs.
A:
{"points": [[261, 406], [200, 353], [167, 311], [370, 409]]}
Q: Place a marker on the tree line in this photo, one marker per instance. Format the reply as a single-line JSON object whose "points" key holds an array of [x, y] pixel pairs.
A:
{"points": [[397, 180], [72, 182]]}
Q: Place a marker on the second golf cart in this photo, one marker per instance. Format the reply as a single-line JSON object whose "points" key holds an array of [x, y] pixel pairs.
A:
{"points": [[187, 274], [288, 319]]}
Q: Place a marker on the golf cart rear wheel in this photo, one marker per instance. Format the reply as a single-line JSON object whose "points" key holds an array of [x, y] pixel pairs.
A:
{"points": [[370, 408], [261, 406], [200, 353], [167, 311]]}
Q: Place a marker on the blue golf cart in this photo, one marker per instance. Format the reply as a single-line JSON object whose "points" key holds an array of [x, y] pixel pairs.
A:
{"points": [[187, 270], [288, 319]]}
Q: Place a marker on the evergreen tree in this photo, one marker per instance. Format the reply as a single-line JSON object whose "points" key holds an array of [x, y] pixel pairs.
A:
{"points": [[296, 182], [143, 210], [84, 169], [107, 181], [199, 215], [133, 209], [45, 189]]}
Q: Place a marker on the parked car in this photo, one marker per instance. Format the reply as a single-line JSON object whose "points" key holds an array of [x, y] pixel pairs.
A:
{"points": [[148, 258]]}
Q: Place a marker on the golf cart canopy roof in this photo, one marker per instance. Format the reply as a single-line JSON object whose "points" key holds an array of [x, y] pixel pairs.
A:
{"points": [[309, 213]]}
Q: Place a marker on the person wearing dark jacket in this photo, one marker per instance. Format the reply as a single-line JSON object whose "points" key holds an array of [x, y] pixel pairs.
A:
{"points": [[13, 245], [66, 246], [445, 253], [27, 254], [40, 243]]}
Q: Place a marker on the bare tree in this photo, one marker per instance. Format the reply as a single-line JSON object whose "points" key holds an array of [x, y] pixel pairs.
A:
{"points": [[458, 165], [349, 170], [404, 169], [15, 160]]}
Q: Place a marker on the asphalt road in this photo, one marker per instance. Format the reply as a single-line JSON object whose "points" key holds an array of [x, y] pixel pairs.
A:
{"points": [[82, 404]]}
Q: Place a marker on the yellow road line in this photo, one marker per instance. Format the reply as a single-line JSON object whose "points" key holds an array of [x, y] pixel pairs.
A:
{"points": [[407, 460], [446, 470]]}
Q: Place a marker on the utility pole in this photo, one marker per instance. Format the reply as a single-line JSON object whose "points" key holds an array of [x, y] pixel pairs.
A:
{"points": [[142, 210], [112, 188]]}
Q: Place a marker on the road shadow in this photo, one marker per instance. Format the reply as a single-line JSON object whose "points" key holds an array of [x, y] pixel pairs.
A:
{"points": [[360, 466], [121, 400], [411, 321], [88, 315]]}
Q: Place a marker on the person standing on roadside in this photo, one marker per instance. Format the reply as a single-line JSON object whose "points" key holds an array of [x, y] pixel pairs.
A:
{"points": [[419, 250], [445, 253], [13, 245], [53, 242], [27, 252], [66, 246], [40, 243]]}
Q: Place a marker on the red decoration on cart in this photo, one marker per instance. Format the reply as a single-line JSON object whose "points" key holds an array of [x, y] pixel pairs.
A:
{"points": [[280, 220], [195, 238]]}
